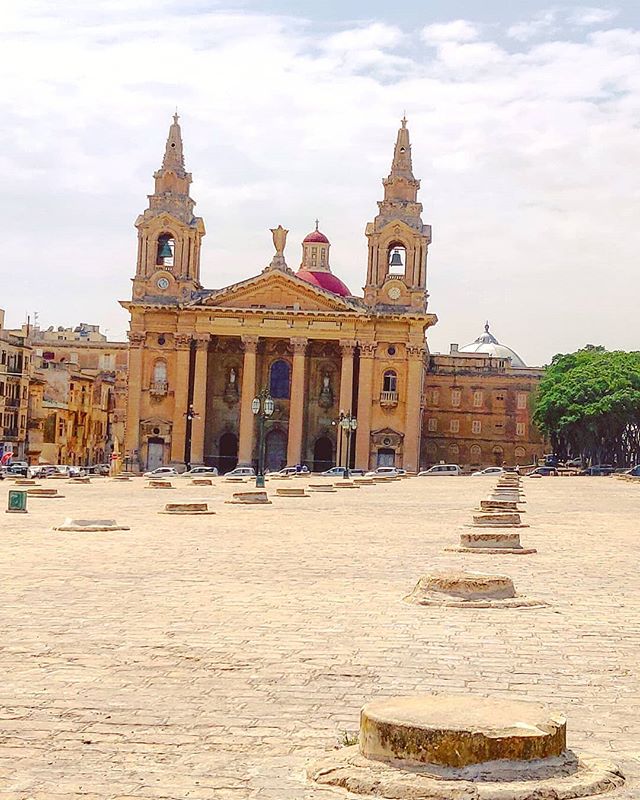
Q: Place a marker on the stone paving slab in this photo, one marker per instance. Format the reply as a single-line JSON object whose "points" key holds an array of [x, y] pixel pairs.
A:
{"points": [[215, 657]]}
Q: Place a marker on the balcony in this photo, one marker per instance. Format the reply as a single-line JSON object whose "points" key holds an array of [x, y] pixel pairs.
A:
{"points": [[159, 388], [12, 402], [10, 433], [388, 399]]}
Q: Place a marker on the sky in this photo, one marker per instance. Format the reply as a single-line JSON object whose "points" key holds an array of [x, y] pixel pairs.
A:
{"points": [[524, 128]]}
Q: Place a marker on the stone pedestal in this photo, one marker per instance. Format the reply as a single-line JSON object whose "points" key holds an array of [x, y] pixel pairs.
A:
{"points": [[468, 590], [345, 485], [291, 491], [256, 498], [321, 487], [201, 482], [195, 508], [491, 543], [500, 505], [450, 747], [159, 485], [42, 492], [90, 525], [498, 519]]}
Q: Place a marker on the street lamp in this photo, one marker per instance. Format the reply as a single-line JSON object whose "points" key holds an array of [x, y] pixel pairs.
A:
{"points": [[262, 407], [349, 425], [190, 415]]}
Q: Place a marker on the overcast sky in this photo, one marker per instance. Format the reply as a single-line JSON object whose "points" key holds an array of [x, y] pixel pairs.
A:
{"points": [[523, 120]]}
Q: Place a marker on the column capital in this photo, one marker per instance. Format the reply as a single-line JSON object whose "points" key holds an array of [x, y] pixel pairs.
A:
{"points": [[416, 350], [250, 343], [202, 340], [368, 349], [299, 345], [347, 346], [183, 341], [136, 338]]}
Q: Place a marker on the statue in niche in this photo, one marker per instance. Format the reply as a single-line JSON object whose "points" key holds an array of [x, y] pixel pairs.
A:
{"points": [[231, 388], [326, 394]]}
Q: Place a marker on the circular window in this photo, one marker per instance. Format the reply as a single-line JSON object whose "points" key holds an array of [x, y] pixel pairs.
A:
{"points": [[161, 340], [386, 441], [391, 350], [156, 431]]}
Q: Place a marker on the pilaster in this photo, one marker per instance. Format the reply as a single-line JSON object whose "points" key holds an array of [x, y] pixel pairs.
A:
{"points": [[248, 390], [365, 388], [181, 393], [199, 399], [134, 394], [413, 420], [297, 402]]}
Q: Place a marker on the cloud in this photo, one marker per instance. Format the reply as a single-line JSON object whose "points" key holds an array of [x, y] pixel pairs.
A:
{"points": [[458, 31], [528, 159], [544, 22], [592, 16]]}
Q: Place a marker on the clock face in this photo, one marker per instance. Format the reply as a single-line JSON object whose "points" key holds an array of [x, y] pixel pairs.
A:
{"points": [[163, 283], [394, 292]]}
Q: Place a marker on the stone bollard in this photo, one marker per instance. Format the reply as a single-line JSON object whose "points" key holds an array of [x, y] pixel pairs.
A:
{"points": [[321, 487], [451, 747], [500, 505], [196, 508], [291, 491], [468, 590], [25, 482], [345, 485], [90, 525], [159, 484], [364, 482], [79, 480], [256, 498], [41, 492], [201, 482], [491, 543]]}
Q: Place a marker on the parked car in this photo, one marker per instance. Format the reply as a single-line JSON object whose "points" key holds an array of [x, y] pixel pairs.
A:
{"points": [[99, 469], [380, 472], [292, 471], [43, 471], [18, 468], [599, 469], [162, 472], [338, 472], [201, 472], [550, 460], [241, 472], [543, 471], [488, 471], [441, 469], [575, 462]]}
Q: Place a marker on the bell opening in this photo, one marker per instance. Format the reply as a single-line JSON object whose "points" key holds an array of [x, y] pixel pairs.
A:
{"points": [[397, 260], [166, 249]]}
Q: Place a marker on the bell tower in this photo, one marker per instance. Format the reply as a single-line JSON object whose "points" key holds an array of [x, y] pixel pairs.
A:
{"points": [[398, 239], [169, 236]]}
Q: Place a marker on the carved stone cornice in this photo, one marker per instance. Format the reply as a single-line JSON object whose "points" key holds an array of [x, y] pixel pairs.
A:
{"points": [[250, 343], [368, 349], [182, 341], [136, 339], [299, 346], [202, 340]]}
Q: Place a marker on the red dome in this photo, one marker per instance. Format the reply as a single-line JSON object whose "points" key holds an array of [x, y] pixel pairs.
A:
{"points": [[315, 236], [325, 280]]}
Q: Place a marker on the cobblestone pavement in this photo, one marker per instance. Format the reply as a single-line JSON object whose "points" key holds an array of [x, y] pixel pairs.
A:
{"points": [[214, 657]]}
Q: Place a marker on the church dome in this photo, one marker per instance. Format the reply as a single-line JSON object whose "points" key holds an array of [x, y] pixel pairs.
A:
{"points": [[315, 237], [490, 346], [324, 280]]}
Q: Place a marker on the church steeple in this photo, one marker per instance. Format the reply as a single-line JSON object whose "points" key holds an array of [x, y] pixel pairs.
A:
{"points": [[398, 239], [169, 234]]}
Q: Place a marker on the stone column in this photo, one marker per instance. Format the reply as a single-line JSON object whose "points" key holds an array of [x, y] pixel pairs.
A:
{"points": [[413, 420], [180, 395], [199, 399], [365, 388], [297, 402], [134, 395], [248, 392], [346, 376]]}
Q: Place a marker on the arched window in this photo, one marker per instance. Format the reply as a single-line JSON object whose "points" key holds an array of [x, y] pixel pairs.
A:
{"points": [[160, 371], [397, 259], [166, 250], [390, 381], [279, 379]]}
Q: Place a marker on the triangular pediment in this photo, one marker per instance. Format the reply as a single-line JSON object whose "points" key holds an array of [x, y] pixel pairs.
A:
{"points": [[277, 289]]}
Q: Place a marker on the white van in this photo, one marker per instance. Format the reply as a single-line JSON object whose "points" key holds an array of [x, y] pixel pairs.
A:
{"points": [[441, 469]]}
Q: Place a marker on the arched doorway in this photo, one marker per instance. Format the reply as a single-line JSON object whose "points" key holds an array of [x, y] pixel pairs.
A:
{"points": [[498, 456], [228, 449], [322, 454], [275, 455], [155, 452]]}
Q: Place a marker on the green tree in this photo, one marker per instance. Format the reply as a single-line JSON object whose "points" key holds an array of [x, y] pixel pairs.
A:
{"points": [[588, 404]]}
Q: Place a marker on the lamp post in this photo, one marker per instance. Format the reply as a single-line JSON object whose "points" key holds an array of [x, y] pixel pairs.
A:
{"points": [[262, 407], [190, 415], [349, 425]]}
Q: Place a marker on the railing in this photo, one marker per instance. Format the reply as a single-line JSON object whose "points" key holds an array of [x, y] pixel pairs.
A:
{"points": [[12, 402], [10, 433], [388, 398], [159, 388]]}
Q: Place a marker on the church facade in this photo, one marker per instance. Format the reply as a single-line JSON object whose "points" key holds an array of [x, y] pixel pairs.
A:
{"points": [[198, 358]]}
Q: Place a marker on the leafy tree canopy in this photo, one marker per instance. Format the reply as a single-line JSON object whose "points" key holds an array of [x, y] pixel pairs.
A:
{"points": [[588, 404]]}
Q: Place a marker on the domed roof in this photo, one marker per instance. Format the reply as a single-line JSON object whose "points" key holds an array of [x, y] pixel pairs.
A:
{"points": [[315, 236], [488, 344], [324, 280]]}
